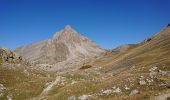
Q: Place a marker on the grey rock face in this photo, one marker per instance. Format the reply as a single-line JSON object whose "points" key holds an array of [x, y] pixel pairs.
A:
{"points": [[66, 45], [9, 56]]}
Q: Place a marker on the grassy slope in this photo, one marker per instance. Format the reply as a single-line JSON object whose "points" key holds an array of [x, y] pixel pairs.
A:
{"points": [[21, 85], [128, 65]]}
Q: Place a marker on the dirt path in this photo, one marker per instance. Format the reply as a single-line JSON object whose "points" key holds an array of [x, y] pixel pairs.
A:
{"points": [[50, 86]]}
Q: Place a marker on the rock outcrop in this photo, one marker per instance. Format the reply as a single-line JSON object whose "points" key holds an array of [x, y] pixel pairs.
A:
{"points": [[8, 56]]}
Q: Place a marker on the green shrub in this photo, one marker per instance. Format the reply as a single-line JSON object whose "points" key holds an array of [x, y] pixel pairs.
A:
{"points": [[86, 67], [0, 59]]}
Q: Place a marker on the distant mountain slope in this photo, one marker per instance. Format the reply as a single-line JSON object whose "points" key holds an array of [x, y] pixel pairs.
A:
{"points": [[156, 48], [65, 45], [147, 62]]}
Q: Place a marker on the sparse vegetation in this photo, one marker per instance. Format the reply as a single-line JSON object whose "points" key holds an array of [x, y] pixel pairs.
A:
{"points": [[168, 25], [86, 66]]}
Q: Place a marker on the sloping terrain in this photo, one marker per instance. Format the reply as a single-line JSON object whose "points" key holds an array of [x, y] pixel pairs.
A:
{"points": [[140, 72], [18, 79], [130, 72]]}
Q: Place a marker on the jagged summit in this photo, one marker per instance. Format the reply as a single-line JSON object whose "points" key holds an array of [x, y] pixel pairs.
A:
{"points": [[67, 32], [67, 27]]}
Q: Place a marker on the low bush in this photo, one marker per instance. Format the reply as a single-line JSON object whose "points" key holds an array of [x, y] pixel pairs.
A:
{"points": [[86, 67]]}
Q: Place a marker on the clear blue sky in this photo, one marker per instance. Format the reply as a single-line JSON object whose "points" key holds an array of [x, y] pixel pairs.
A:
{"points": [[109, 23]]}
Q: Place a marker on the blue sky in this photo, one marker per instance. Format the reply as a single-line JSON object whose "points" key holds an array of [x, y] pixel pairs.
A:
{"points": [[109, 23]]}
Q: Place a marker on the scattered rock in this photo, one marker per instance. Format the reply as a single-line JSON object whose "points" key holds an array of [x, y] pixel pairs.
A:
{"points": [[149, 81], [133, 92], [26, 72], [107, 92], [153, 68], [73, 82], [1, 94], [118, 90], [9, 97], [84, 97], [163, 73], [72, 98], [127, 88], [2, 87], [2, 90], [142, 80], [8, 56], [114, 87], [153, 73]]}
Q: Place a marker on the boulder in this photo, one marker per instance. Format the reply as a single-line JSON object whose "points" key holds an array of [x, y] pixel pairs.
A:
{"points": [[107, 92], [133, 92]]}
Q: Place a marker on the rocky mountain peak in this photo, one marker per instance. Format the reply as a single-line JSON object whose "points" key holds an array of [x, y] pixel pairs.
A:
{"points": [[65, 46], [68, 27], [66, 34]]}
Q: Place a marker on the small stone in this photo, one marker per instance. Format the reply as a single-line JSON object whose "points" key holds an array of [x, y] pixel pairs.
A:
{"points": [[133, 92], [153, 74], [142, 82], [149, 80], [72, 98], [114, 87], [163, 73], [73, 82], [127, 88], [107, 92], [9, 97], [84, 97], [2, 88], [1, 94], [118, 90], [153, 68]]}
